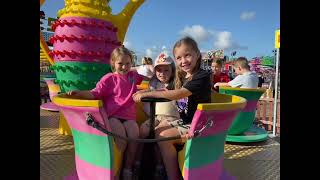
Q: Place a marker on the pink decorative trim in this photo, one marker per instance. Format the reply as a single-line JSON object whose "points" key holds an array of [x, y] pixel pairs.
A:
{"points": [[221, 121], [83, 39], [211, 171], [91, 172], [72, 176], [49, 107], [251, 106], [77, 120]]}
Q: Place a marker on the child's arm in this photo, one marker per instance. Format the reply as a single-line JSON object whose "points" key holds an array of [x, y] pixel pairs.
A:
{"points": [[143, 91], [221, 84], [170, 94], [81, 94]]}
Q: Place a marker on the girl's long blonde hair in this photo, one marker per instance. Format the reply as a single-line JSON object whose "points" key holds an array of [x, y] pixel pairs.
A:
{"points": [[117, 52], [179, 73]]}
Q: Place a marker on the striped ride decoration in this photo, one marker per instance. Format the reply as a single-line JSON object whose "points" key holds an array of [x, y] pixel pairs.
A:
{"points": [[79, 47], [84, 36], [202, 156], [96, 154], [244, 120]]}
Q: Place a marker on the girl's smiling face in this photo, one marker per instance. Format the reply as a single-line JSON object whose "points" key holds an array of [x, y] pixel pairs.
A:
{"points": [[186, 58], [163, 73], [123, 64]]}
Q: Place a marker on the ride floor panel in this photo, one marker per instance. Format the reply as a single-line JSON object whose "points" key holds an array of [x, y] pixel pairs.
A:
{"points": [[254, 161]]}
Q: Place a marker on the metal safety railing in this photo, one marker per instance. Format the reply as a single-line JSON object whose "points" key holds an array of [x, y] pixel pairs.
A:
{"points": [[264, 114]]}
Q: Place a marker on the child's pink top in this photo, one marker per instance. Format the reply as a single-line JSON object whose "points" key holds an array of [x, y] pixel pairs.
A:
{"points": [[116, 90]]}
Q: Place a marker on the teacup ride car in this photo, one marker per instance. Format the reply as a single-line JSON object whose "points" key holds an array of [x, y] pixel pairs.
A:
{"points": [[243, 129], [97, 156]]}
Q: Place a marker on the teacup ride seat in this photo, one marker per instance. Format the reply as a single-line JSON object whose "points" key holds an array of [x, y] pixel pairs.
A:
{"points": [[97, 156], [202, 156], [243, 128]]}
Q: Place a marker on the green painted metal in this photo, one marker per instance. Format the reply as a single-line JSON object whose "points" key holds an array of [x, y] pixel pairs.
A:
{"points": [[242, 122], [204, 150], [79, 75], [254, 134], [94, 149], [49, 75], [249, 95]]}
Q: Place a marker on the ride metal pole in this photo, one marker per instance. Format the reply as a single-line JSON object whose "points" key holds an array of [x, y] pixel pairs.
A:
{"points": [[275, 100]]}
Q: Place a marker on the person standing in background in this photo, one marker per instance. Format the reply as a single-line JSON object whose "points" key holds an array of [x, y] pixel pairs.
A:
{"points": [[146, 69]]}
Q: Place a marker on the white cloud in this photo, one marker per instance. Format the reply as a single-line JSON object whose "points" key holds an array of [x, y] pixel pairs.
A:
{"points": [[164, 47], [199, 33], [247, 15], [221, 39], [149, 52], [224, 41]]}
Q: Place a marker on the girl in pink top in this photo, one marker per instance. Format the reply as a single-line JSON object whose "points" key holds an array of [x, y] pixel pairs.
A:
{"points": [[116, 90]]}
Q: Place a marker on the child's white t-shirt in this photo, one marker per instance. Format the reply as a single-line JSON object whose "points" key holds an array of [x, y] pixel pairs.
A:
{"points": [[246, 80]]}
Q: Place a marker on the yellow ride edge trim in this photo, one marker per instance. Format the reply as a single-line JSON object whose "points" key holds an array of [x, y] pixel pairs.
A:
{"points": [[237, 102], [106, 18], [45, 49], [54, 88], [243, 89], [62, 100]]}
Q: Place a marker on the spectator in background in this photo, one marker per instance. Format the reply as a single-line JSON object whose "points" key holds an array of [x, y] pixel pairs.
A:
{"points": [[42, 15], [245, 78], [146, 69], [261, 79], [217, 74]]}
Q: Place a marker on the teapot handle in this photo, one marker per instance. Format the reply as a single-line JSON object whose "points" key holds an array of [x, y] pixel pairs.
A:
{"points": [[43, 44]]}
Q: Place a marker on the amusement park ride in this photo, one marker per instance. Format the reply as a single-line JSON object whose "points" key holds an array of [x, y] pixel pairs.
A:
{"points": [[84, 36]]}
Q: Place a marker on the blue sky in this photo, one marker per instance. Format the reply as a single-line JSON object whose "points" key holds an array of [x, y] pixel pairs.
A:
{"points": [[245, 26]]}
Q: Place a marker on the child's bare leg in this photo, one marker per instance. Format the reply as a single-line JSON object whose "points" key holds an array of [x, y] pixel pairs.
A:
{"points": [[157, 152], [143, 133], [132, 130], [118, 128], [168, 151], [158, 155]]}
